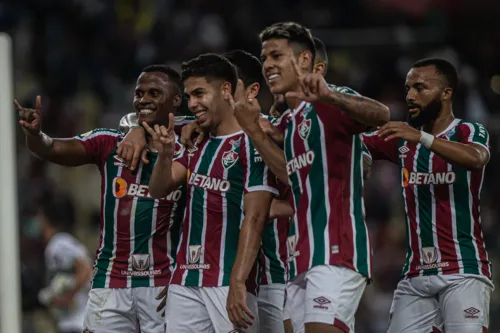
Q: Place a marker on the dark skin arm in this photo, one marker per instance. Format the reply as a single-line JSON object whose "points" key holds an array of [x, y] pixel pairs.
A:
{"points": [[68, 152], [470, 156]]}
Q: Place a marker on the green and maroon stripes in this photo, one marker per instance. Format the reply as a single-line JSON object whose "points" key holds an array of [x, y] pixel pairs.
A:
{"points": [[327, 189]]}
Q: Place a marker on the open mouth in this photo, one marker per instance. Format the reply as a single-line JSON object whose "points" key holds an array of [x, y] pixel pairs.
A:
{"points": [[145, 112], [272, 77]]}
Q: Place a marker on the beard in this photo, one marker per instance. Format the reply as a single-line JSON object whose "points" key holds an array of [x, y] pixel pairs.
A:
{"points": [[427, 114]]}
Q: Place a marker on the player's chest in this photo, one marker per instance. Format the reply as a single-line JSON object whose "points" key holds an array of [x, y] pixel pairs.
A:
{"points": [[421, 167], [304, 133], [216, 164], [127, 185]]}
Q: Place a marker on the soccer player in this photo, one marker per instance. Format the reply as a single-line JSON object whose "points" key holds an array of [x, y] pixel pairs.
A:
{"points": [[68, 270], [271, 295], [229, 194], [321, 58], [442, 161], [138, 233], [322, 162]]}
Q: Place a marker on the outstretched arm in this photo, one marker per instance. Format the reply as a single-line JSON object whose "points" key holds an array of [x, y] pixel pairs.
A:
{"points": [[70, 152], [360, 108]]}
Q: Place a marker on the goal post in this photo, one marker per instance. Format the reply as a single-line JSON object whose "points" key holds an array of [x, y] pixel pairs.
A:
{"points": [[10, 276]]}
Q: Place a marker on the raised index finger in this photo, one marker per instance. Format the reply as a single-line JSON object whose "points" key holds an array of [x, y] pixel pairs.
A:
{"points": [[148, 129], [171, 123], [38, 104], [18, 106], [295, 67]]}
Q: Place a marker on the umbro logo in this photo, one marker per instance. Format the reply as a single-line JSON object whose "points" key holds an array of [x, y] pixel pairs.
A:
{"points": [[322, 303], [471, 313], [118, 161], [322, 300], [403, 150]]}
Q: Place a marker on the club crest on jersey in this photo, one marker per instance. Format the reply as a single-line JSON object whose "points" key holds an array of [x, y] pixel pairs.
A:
{"points": [[304, 128], [140, 262], [229, 158], [194, 253], [429, 254]]}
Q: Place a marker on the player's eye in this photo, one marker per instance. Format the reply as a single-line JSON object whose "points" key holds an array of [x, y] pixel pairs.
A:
{"points": [[138, 94]]}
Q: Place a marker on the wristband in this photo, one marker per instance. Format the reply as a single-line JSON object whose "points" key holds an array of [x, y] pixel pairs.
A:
{"points": [[426, 139]]}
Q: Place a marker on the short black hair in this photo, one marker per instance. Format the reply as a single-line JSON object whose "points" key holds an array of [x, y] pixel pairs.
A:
{"points": [[320, 50], [211, 66], [173, 75], [294, 32], [444, 68], [248, 66]]}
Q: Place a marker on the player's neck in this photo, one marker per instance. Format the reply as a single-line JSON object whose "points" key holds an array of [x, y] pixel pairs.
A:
{"points": [[440, 124], [48, 234], [227, 126]]}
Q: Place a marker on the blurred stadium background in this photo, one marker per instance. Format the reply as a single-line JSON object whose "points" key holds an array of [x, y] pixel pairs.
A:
{"points": [[83, 56]]}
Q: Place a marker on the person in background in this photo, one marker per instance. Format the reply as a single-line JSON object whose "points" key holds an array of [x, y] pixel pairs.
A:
{"points": [[68, 269]]}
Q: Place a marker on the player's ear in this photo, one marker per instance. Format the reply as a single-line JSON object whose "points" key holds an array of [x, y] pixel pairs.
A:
{"points": [[305, 60], [177, 101], [447, 94], [252, 90], [320, 68], [225, 89]]}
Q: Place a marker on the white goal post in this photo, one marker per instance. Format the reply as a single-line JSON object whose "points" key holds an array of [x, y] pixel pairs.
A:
{"points": [[10, 276]]}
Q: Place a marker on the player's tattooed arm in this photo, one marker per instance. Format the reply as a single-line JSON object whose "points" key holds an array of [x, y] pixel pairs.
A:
{"points": [[360, 108], [313, 87], [167, 174], [468, 155], [69, 152], [256, 208]]}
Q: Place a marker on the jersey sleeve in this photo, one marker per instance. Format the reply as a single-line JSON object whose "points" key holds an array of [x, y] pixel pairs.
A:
{"points": [[350, 125], [379, 149], [257, 175], [366, 152], [99, 143], [180, 154], [470, 132], [282, 121]]}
